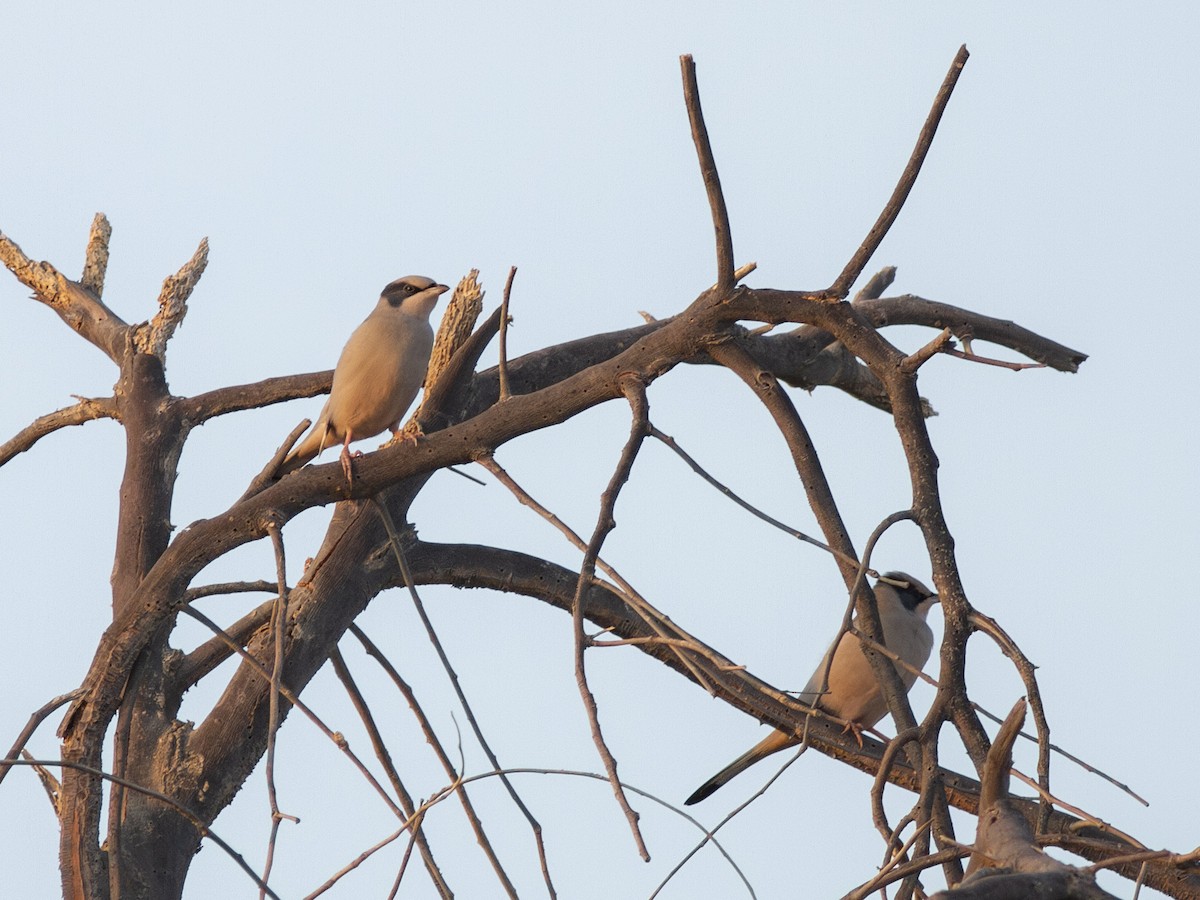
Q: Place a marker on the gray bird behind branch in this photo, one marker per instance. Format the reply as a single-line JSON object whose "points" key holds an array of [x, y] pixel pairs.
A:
{"points": [[853, 691], [379, 372]]}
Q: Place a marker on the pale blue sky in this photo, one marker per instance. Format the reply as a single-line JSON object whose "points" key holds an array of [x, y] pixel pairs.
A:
{"points": [[326, 152]]}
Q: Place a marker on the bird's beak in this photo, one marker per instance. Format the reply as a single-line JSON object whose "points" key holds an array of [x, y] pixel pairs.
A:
{"points": [[440, 288]]}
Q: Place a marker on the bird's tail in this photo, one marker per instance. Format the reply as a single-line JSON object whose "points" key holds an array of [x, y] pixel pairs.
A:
{"points": [[772, 743], [306, 451]]}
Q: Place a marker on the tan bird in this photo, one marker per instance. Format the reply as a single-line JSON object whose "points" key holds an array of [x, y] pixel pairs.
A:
{"points": [[854, 694], [378, 374]]}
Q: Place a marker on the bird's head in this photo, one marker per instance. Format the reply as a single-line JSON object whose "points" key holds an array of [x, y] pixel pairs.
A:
{"points": [[915, 596], [413, 295]]}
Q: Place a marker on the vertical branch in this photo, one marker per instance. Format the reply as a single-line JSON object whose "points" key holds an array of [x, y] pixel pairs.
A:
{"points": [[712, 182], [505, 393], [95, 260], [279, 628], [858, 262], [635, 392]]}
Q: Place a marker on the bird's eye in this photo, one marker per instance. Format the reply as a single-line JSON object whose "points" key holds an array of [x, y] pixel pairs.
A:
{"points": [[410, 288]]}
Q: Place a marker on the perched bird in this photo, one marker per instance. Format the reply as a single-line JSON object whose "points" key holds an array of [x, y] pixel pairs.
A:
{"points": [[378, 374], [854, 693]]}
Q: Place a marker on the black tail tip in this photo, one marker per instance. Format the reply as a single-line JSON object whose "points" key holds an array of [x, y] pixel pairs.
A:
{"points": [[701, 793]]}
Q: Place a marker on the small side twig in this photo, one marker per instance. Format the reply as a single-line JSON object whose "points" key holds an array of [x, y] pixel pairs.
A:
{"points": [[989, 361], [1025, 669], [863, 568], [268, 475], [878, 813], [674, 446], [876, 284], [917, 359]]}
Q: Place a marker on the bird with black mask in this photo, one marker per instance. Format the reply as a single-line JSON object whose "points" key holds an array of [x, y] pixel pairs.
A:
{"points": [[853, 693]]}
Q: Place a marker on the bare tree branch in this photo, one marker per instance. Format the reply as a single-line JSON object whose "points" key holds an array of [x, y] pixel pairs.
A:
{"points": [[439, 751], [385, 759], [86, 410], [74, 303], [635, 391], [712, 181], [95, 264], [841, 287], [402, 562], [152, 337]]}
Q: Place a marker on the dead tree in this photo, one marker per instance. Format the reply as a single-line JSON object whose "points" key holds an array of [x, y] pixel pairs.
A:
{"points": [[169, 780]]}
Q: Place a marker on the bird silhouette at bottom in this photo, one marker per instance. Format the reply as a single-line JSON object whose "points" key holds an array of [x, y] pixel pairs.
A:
{"points": [[853, 691]]}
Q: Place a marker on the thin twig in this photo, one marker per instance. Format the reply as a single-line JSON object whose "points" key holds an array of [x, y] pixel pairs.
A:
{"points": [[1025, 669], [505, 393], [268, 475], [907, 869], [878, 814], [635, 392], [1063, 753], [406, 573], [288, 694], [197, 822], [989, 361], [87, 409], [670, 442], [461, 781], [279, 627], [37, 718], [1086, 818], [712, 181], [841, 287], [431, 737], [385, 759], [915, 360], [710, 834], [632, 598], [231, 587]]}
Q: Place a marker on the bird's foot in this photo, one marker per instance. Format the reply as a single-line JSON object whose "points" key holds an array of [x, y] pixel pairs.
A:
{"points": [[409, 435], [348, 465], [855, 729]]}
